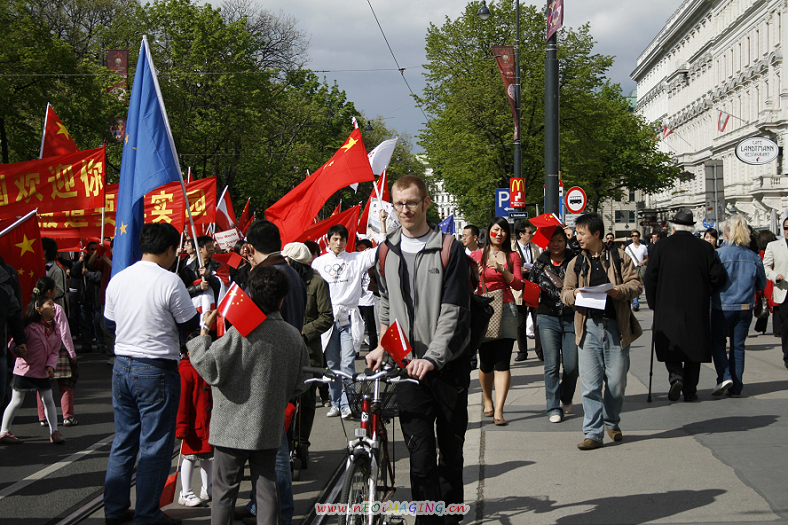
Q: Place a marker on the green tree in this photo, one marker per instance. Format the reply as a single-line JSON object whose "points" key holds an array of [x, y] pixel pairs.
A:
{"points": [[469, 139]]}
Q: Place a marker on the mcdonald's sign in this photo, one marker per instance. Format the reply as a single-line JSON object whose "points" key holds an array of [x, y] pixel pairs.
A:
{"points": [[517, 193]]}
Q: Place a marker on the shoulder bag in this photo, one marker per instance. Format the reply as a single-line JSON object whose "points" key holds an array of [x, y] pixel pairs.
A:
{"points": [[494, 326]]}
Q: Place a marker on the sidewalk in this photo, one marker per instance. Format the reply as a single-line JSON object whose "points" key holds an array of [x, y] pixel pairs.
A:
{"points": [[716, 460]]}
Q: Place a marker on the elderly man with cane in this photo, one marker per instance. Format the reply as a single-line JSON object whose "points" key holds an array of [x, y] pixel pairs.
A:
{"points": [[682, 271]]}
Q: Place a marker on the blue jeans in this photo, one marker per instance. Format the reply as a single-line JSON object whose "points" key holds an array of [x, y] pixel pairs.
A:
{"points": [[734, 324], [602, 362], [90, 326], [636, 302], [558, 346], [284, 483], [145, 402], [340, 355]]}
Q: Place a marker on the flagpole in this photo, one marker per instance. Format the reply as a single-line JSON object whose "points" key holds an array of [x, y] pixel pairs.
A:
{"points": [[17, 223], [44, 133], [191, 220], [189, 178]]}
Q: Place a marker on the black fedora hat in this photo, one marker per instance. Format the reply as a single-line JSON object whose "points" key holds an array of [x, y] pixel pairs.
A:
{"points": [[684, 217]]}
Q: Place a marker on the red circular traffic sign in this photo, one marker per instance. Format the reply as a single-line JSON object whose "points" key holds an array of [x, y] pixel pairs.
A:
{"points": [[576, 199]]}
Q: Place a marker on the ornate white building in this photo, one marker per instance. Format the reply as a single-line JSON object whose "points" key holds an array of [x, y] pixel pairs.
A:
{"points": [[716, 58]]}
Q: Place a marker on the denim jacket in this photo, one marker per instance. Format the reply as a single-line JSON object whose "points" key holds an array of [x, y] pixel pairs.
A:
{"points": [[745, 276]]}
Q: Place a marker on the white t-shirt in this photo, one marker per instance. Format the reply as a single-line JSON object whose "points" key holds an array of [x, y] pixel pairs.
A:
{"points": [[641, 252], [343, 274], [146, 301]]}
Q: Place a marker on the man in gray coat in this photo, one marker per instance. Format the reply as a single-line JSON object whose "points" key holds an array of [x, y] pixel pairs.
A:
{"points": [[682, 272], [253, 378]]}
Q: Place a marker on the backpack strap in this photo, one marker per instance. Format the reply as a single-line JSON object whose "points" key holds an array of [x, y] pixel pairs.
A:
{"points": [[383, 250], [448, 240]]}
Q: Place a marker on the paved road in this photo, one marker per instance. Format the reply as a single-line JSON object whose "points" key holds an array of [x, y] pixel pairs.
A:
{"points": [[712, 461]]}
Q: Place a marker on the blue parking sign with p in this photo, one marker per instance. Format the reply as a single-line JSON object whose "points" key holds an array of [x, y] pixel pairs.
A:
{"points": [[502, 202]]}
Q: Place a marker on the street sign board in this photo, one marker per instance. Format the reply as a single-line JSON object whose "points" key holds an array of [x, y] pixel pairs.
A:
{"points": [[502, 204], [570, 220], [576, 199], [518, 214], [517, 193], [708, 223]]}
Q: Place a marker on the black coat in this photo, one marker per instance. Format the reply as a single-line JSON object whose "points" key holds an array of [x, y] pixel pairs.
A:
{"points": [[681, 274]]}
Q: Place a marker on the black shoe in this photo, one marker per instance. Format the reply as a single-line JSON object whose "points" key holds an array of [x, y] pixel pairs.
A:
{"points": [[675, 390], [636, 308], [126, 518], [540, 356], [521, 356], [167, 520], [690, 397]]}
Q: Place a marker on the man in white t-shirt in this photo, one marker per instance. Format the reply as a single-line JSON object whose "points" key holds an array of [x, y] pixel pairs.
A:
{"points": [[343, 272], [145, 306], [639, 254]]}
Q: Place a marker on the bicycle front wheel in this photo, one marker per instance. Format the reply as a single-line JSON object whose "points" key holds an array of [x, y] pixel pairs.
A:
{"points": [[356, 491]]}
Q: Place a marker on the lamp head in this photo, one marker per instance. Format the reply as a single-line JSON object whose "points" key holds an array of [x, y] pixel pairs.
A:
{"points": [[484, 11]]}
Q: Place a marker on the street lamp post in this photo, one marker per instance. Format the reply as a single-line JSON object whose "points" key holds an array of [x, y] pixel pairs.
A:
{"points": [[484, 14], [551, 163]]}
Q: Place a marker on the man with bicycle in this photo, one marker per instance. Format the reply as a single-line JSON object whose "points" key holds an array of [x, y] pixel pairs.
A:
{"points": [[431, 302]]}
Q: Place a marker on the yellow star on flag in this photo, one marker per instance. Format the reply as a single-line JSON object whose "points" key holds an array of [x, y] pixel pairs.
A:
{"points": [[31, 273], [127, 139], [26, 245], [350, 143], [61, 130], [21, 271], [123, 228]]}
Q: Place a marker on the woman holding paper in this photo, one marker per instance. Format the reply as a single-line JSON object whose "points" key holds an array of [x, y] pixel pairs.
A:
{"points": [[556, 327], [499, 269]]}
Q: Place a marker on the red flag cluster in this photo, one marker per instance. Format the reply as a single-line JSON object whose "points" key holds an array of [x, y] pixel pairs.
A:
{"points": [[396, 343], [21, 247]]}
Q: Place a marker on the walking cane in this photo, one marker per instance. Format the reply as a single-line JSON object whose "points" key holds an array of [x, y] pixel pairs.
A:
{"points": [[651, 366]]}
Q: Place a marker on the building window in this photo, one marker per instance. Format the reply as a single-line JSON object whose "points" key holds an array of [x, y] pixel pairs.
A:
{"points": [[631, 195], [625, 216]]}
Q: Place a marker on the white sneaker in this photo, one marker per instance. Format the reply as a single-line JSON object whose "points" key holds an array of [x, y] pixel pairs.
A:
{"points": [[188, 499], [722, 387], [567, 408], [347, 413], [556, 418], [205, 494], [333, 412]]}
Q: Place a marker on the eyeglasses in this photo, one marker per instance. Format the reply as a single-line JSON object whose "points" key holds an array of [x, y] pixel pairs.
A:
{"points": [[636, 236], [411, 205]]}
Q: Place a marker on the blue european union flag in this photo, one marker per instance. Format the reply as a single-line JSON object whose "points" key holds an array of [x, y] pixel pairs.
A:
{"points": [[447, 224], [149, 160]]}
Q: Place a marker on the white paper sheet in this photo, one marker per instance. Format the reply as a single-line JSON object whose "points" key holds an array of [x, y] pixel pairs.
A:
{"points": [[600, 288], [595, 300]]}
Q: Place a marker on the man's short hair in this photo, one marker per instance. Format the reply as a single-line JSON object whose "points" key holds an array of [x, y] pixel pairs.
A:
{"points": [[338, 229], [156, 238], [314, 248], [521, 226], [202, 240], [364, 242], [267, 287], [592, 222], [264, 237], [633, 232], [406, 181], [92, 243], [474, 229], [610, 234], [50, 248]]}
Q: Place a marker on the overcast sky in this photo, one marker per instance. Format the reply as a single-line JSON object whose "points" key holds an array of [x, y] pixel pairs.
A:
{"points": [[344, 35]]}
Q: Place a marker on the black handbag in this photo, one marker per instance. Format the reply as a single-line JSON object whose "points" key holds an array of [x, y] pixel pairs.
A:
{"points": [[761, 308]]}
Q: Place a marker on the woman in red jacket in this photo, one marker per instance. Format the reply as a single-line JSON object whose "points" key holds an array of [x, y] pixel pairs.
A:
{"points": [[194, 418]]}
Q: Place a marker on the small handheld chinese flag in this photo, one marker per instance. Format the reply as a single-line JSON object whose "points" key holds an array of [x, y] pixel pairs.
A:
{"points": [[531, 292], [240, 310], [395, 343], [546, 224]]}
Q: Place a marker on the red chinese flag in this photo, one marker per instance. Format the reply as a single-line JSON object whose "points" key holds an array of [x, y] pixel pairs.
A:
{"points": [[337, 209], [240, 310], [546, 224], [348, 218], [21, 247], [244, 216], [531, 292], [395, 343], [246, 226], [56, 139], [294, 212]]}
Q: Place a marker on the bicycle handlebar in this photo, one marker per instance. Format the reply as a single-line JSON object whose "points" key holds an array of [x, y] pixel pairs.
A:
{"points": [[389, 375]]}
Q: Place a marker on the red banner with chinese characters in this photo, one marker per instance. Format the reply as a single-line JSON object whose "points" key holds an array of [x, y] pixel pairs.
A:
{"points": [[164, 204], [504, 57], [65, 182]]}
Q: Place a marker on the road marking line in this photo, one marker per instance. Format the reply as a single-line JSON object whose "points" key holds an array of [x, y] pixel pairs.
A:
{"points": [[32, 478]]}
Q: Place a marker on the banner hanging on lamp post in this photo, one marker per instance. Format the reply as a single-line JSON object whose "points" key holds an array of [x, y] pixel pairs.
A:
{"points": [[555, 17], [504, 57]]}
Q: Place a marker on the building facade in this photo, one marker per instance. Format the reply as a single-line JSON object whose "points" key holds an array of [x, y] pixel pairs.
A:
{"points": [[711, 78]]}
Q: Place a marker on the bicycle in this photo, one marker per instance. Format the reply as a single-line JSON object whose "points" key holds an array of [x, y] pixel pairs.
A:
{"points": [[369, 471]]}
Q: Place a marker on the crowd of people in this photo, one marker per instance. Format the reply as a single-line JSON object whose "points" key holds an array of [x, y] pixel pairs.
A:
{"points": [[224, 397]]}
